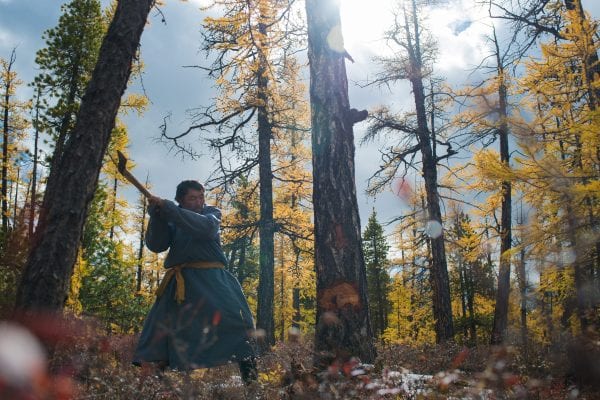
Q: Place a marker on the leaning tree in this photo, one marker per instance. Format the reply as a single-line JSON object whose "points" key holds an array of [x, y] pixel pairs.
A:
{"points": [[49, 268]]}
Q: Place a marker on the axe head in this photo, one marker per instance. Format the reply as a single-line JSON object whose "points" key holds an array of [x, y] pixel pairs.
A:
{"points": [[122, 166]]}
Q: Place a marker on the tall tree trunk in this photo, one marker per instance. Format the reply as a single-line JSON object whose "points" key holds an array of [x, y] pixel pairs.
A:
{"points": [[47, 274], [114, 208], [583, 299], [343, 327], [265, 318], [141, 247], [591, 74], [523, 291], [591, 63], [440, 282], [471, 307], [282, 292], [501, 309], [5, 129], [296, 306], [16, 196], [242, 259], [35, 166], [463, 295]]}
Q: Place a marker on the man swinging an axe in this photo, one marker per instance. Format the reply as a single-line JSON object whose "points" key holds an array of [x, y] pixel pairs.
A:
{"points": [[200, 318]]}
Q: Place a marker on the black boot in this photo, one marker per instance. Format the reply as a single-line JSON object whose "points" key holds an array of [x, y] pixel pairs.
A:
{"points": [[248, 370]]}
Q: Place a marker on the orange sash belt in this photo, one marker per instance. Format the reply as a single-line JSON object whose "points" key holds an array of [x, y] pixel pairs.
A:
{"points": [[180, 284]]}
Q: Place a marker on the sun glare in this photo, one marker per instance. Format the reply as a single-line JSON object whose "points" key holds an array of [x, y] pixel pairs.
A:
{"points": [[364, 23], [455, 24]]}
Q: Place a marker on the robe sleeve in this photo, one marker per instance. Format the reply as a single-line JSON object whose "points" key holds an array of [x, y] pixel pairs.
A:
{"points": [[203, 226], [159, 233]]}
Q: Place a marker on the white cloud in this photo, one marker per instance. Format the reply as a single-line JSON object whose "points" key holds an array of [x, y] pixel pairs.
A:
{"points": [[200, 3], [7, 39], [460, 31]]}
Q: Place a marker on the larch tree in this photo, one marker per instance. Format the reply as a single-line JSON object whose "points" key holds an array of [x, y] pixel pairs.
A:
{"points": [[561, 167], [541, 18], [343, 325], [249, 42], [572, 30], [411, 318], [521, 273], [13, 238], [293, 205], [488, 119], [46, 276], [241, 213], [412, 61], [472, 277], [14, 124], [502, 131]]}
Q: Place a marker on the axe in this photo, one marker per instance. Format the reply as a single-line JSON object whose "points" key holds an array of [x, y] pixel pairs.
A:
{"points": [[122, 167]]}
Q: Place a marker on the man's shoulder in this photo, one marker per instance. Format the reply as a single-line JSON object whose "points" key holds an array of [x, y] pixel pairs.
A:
{"points": [[210, 209]]}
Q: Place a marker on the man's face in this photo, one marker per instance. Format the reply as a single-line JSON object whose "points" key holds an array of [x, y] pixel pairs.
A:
{"points": [[193, 200]]}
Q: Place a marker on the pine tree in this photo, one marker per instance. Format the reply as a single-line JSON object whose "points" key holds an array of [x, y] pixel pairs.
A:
{"points": [[375, 248], [106, 279], [66, 65]]}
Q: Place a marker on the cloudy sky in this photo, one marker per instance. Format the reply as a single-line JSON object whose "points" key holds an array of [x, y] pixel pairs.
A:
{"points": [[459, 27]]}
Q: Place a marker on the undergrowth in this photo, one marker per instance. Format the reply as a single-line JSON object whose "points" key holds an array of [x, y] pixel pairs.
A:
{"points": [[87, 363]]}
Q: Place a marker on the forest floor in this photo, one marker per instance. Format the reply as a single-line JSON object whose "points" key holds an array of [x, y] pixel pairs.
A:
{"points": [[87, 363]]}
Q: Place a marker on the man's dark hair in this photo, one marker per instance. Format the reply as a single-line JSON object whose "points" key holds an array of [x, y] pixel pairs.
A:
{"points": [[184, 186]]}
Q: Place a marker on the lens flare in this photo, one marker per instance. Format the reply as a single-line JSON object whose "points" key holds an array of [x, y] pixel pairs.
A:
{"points": [[22, 357], [433, 229]]}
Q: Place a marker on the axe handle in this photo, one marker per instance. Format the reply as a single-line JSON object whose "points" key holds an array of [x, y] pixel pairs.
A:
{"points": [[122, 167], [136, 183]]}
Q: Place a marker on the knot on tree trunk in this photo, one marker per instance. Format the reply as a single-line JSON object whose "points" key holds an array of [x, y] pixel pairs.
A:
{"points": [[353, 115]]}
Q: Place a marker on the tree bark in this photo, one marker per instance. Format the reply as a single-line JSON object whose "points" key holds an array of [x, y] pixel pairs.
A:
{"points": [[501, 309], [265, 318], [15, 205], [141, 244], [591, 63], [523, 300], [440, 282], [35, 166], [5, 129], [47, 274], [296, 306], [343, 327]]}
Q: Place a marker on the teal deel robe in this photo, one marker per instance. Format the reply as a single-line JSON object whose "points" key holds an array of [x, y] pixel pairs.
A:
{"points": [[213, 325]]}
